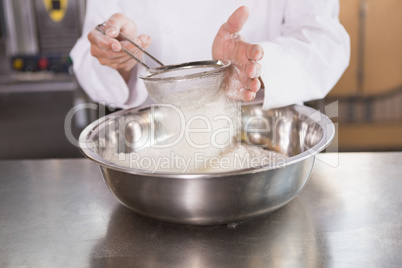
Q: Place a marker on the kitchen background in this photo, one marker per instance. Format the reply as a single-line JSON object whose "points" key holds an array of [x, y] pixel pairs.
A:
{"points": [[38, 89]]}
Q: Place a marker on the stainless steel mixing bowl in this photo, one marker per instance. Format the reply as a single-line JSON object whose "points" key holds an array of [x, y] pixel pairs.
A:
{"points": [[297, 131]]}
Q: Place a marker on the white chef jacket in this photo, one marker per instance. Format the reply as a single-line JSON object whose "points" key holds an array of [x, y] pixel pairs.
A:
{"points": [[306, 49]]}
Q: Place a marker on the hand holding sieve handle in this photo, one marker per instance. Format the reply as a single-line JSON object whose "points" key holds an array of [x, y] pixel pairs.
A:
{"points": [[98, 27]]}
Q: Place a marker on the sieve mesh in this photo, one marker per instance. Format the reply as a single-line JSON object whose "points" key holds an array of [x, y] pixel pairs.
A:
{"points": [[188, 84]]}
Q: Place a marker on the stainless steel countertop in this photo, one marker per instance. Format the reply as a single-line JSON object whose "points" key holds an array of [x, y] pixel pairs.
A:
{"points": [[59, 213]]}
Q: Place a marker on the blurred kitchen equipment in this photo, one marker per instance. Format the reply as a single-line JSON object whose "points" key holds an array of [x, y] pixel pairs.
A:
{"points": [[39, 34], [298, 132], [35, 39], [166, 84], [370, 91]]}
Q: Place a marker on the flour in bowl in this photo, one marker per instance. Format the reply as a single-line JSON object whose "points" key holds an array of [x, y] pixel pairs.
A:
{"points": [[198, 138]]}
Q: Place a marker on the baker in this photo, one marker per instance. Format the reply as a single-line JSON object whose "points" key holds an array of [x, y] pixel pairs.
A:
{"points": [[298, 48]]}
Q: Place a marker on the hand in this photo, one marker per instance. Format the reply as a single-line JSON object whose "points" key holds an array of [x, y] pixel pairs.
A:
{"points": [[107, 49], [243, 82]]}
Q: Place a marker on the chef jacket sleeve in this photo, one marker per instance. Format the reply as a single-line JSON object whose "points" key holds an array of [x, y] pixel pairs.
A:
{"points": [[308, 58], [102, 83]]}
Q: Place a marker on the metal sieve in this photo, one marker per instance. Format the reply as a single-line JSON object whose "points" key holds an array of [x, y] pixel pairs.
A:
{"points": [[190, 83], [186, 84]]}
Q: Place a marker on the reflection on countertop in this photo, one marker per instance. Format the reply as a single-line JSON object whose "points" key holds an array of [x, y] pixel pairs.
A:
{"points": [[265, 241]]}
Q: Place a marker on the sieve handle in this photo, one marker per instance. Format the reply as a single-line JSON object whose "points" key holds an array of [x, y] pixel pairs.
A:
{"points": [[98, 27]]}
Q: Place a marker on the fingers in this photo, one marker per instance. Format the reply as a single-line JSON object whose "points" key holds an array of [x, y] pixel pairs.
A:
{"points": [[251, 73], [246, 57], [234, 24], [243, 94], [252, 85], [144, 41], [238, 85], [119, 60], [119, 23], [247, 95], [236, 21], [253, 52], [252, 69], [243, 52], [98, 52], [98, 39], [103, 46]]}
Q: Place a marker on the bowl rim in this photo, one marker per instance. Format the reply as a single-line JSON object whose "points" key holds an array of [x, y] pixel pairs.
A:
{"points": [[149, 74], [324, 123]]}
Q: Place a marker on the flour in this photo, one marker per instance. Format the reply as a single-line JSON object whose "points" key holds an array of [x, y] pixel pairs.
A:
{"points": [[197, 136]]}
